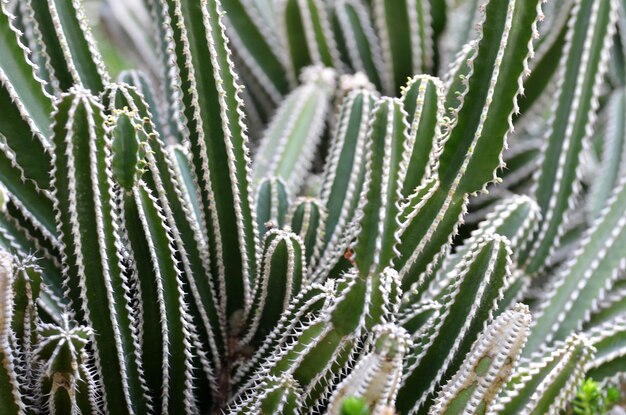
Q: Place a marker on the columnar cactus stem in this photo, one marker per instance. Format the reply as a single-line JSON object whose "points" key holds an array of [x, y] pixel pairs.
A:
{"points": [[487, 367], [95, 279], [207, 82], [358, 43], [11, 400], [377, 374], [485, 86], [282, 276], [69, 44], [307, 35], [67, 383], [557, 185], [546, 383], [291, 140], [272, 204], [484, 272], [340, 191]]}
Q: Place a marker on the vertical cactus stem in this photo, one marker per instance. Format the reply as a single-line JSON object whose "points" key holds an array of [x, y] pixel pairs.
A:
{"points": [[95, 282], [290, 142], [167, 179], [67, 39], [423, 100], [217, 138], [358, 42], [307, 219], [406, 38], [272, 204], [613, 155], [483, 91], [385, 173], [282, 275], [307, 35], [340, 191], [176, 327], [376, 376], [143, 85], [487, 367], [11, 399], [253, 36]]}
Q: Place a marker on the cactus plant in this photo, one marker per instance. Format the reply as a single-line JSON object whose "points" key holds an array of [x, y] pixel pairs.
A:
{"points": [[312, 206]]}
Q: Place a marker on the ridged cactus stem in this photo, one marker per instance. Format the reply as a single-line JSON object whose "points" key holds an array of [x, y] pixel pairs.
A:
{"points": [[376, 376], [487, 367], [88, 226], [11, 400], [218, 143]]}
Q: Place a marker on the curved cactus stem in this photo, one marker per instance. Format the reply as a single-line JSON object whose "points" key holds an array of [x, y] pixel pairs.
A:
{"points": [[169, 79], [482, 93], [469, 300], [282, 275], [591, 29], [308, 303], [26, 108], [376, 376], [211, 106], [586, 278], [423, 100], [546, 383], [307, 218], [358, 43], [272, 204], [514, 218], [385, 172], [30, 202], [67, 383], [487, 367], [342, 179], [406, 36], [87, 221], [304, 28], [67, 40], [550, 48], [290, 142]]}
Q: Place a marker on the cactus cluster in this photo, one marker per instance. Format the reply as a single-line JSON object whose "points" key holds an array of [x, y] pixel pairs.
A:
{"points": [[312, 206]]}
